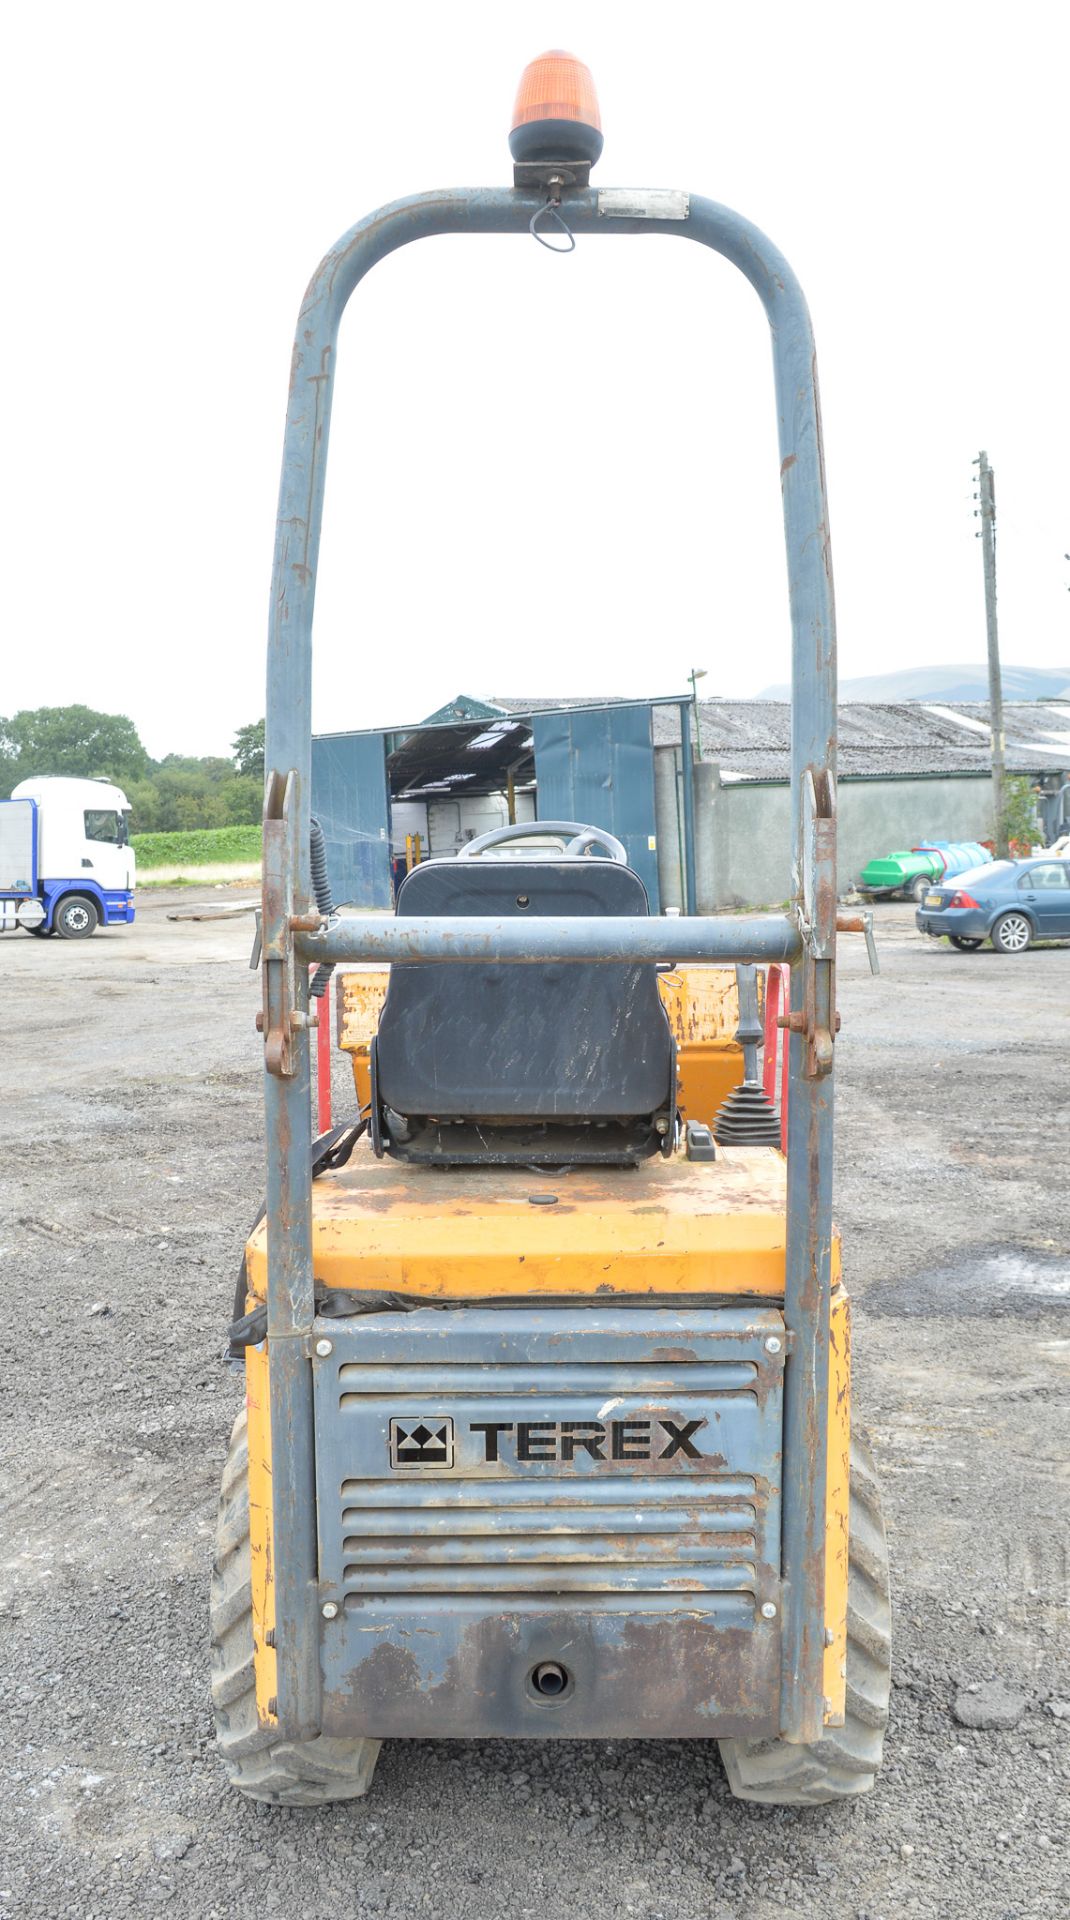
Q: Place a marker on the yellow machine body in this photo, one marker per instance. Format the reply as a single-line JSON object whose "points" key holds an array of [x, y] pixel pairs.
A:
{"points": [[666, 1227], [669, 1228]]}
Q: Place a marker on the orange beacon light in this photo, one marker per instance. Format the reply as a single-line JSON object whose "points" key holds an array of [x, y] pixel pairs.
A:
{"points": [[556, 115]]}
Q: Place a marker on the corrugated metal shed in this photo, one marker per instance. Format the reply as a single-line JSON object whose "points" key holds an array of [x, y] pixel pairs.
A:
{"points": [[751, 739]]}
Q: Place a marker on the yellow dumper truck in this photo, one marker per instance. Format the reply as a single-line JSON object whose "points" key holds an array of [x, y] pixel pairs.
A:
{"points": [[548, 1427]]}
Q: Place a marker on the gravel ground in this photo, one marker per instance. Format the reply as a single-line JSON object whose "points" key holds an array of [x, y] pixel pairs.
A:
{"points": [[131, 1144]]}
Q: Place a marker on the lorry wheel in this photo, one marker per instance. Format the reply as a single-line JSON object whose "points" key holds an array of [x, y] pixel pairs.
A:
{"points": [[285, 1773], [1011, 933], [846, 1760], [919, 887], [42, 933], [76, 917]]}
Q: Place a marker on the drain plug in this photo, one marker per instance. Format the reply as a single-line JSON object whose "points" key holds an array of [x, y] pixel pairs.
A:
{"points": [[549, 1680]]}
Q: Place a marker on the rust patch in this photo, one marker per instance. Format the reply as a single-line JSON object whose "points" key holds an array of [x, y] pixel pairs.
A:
{"points": [[684, 1673]]}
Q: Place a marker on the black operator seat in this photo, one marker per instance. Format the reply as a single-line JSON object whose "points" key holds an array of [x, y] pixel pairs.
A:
{"points": [[513, 1064]]}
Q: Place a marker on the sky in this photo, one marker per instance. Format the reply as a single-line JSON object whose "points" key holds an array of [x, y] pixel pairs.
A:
{"points": [[548, 477]]}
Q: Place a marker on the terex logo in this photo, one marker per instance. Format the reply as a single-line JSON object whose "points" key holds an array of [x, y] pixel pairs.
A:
{"points": [[659, 1439]]}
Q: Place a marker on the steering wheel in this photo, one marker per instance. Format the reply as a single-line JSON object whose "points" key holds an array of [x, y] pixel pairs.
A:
{"points": [[579, 839]]}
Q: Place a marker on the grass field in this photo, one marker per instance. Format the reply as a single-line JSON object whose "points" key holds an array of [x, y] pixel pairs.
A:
{"points": [[206, 847]]}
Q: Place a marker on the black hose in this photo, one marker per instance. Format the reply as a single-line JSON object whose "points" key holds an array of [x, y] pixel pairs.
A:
{"points": [[321, 887]]}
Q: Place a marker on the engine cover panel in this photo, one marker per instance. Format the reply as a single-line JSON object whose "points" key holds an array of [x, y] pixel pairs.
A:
{"points": [[503, 1491]]}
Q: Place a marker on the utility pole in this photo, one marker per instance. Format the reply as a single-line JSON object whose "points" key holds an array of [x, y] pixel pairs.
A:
{"points": [[696, 674], [987, 512]]}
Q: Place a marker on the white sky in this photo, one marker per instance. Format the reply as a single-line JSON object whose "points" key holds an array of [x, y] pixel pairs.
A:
{"points": [[548, 476]]}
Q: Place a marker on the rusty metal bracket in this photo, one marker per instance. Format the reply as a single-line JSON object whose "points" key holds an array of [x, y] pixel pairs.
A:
{"points": [[818, 913], [817, 1020], [276, 1020], [861, 923], [796, 1023]]}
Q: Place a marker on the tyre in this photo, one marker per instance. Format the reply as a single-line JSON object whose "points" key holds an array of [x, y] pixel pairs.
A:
{"points": [[964, 944], [285, 1773], [846, 1760], [42, 933], [918, 888], [76, 917], [1012, 933]]}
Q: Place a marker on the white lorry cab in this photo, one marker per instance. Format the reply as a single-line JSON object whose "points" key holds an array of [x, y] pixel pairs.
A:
{"points": [[66, 863]]}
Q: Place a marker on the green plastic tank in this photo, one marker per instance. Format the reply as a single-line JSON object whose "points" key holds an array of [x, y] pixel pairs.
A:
{"points": [[894, 873]]}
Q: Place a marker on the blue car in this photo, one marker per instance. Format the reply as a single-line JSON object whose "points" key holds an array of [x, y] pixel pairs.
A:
{"points": [[1011, 902]]}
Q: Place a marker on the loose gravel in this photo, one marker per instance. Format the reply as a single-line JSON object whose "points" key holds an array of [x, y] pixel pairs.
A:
{"points": [[131, 1142]]}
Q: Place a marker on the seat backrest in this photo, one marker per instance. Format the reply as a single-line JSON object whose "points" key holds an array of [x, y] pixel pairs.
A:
{"points": [[530, 1041]]}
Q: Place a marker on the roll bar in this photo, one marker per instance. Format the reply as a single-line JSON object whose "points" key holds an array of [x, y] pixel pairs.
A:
{"points": [[364, 939], [806, 938]]}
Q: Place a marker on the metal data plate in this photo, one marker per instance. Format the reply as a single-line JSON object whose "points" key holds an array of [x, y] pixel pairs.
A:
{"points": [[595, 1488], [643, 203]]}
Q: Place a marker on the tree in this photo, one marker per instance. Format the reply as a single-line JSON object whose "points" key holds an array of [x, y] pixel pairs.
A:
{"points": [[209, 770], [145, 811], [76, 741], [249, 749], [194, 811], [243, 799], [1020, 816], [9, 761]]}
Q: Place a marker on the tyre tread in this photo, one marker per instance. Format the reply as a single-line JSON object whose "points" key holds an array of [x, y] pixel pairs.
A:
{"points": [[846, 1760], [291, 1773]]}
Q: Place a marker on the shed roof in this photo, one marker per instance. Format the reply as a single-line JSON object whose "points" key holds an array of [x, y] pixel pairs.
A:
{"points": [[751, 739]]}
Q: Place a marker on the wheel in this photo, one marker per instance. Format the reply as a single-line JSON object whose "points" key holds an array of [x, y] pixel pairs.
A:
{"points": [[919, 887], [846, 1760], [286, 1773], [42, 933], [77, 917], [1011, 933], [964, 944]]}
